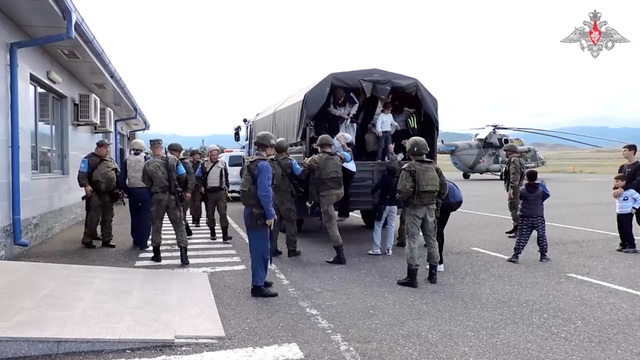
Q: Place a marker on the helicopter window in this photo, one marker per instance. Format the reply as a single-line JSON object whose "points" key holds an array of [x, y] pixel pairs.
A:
{"points": [[505, 141]]}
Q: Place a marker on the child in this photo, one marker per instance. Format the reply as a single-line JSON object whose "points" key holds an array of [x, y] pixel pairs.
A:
{"points": [[384, 125], [386, 210], [531, 212], [627, 204]]}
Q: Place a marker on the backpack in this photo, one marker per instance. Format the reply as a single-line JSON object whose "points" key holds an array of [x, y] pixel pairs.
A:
{"points": [[296, 189]]}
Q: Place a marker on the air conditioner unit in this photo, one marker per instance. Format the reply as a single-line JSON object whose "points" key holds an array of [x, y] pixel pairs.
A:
{"points": [[88, 110], [106, 121], [44, 108]]}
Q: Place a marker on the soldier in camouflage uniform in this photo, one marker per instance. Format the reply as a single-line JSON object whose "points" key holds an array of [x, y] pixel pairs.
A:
{"points": [[98, 175], [187, 185], [284, 169], [162, 174], [513, 180], [421, 187], [196, 196], [327, 167]]}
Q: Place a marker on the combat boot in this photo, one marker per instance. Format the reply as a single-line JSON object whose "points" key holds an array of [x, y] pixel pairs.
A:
{"points": [[293, 253], [225, 235], [261, 291], [339, 259], [156, 254], [544, 257], [184, 259], [433, 273], [412, 278], [212, 230], [188, 230], [513, 230]]}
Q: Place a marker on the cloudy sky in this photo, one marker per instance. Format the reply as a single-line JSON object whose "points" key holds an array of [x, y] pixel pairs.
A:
{"points": [[195, 67]]}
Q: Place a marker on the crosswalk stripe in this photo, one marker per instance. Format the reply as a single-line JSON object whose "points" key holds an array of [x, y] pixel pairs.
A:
{"points": [[210, 269], [171, 240], [192, 261], [274, 352], [211, 246], [195, 233], [195, 253]]}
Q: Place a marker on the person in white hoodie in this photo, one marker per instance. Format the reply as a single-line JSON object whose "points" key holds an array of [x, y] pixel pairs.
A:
{"points": [[348, 172]]}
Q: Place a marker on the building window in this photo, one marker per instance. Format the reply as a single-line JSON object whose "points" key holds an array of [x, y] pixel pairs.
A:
{"points": [[47, 134]]}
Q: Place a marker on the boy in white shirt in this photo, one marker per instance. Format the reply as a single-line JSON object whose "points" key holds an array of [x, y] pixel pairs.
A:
{"points": [[627, 204], [384, 125]]}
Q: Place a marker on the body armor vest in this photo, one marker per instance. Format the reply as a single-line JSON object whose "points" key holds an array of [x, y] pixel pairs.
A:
{"points": [[248, 184], [104, 178], [135, 165], [329, 172]]}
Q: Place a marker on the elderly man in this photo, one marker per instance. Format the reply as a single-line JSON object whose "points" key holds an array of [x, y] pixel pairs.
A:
{"points": [[214, 177]]}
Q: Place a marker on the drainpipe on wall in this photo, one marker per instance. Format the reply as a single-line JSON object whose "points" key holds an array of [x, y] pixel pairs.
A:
{"points": [[115, 124], [70, 19]]}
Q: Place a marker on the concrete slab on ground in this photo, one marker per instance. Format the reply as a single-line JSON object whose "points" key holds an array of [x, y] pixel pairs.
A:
{"points": [[76, 303]]}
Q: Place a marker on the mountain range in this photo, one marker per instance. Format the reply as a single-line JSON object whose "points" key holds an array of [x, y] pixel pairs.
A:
{"points": [[625, 134]]}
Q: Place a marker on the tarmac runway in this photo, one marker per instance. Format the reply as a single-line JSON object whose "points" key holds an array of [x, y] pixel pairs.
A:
{"points": [[581, 305]]}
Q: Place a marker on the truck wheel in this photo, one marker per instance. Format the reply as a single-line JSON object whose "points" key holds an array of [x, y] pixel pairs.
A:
{"points": [[466, 176], [368, 218], [299, 224]]}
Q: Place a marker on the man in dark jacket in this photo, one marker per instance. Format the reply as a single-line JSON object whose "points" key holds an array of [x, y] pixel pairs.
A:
{"points": [[531, 216], [451, 203]]}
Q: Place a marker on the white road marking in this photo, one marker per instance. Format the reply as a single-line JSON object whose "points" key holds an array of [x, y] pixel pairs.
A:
{"points": [[356, 215], [605, 284], [210, 269], [345, 349], [274, 352], [191, 247], [192, 261], [549, 223], [489, 252], [191, 240], [196, 253]]}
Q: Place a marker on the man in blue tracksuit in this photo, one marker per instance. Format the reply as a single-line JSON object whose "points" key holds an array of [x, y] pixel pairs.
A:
{"points": [[451, 203], [259, 215], [139, 194]]}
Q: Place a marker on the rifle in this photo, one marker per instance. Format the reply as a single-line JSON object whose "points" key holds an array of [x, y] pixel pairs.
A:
{"points": [[173, 187]]}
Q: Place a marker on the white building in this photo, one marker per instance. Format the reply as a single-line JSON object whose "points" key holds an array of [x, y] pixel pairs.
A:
{"points": [[65, 97]]}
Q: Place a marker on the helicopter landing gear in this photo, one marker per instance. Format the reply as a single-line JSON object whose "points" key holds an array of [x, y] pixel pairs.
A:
{"points": [[466, 176]]}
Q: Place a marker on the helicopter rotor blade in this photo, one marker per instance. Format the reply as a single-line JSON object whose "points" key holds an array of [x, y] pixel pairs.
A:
{"points": [[560, 137], [567, 133]]}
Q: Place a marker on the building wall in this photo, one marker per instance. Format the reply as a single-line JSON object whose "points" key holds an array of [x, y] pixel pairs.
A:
{"points": [[50, 202]]}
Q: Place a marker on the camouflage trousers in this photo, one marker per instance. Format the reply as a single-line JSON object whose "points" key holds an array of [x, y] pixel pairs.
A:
{"points": [[185, 207], [162, 204], [99, 211], [286, 214], [513, 205], [217, 200], [421, 218], [329, 218], [402, 233], [195, 204]]}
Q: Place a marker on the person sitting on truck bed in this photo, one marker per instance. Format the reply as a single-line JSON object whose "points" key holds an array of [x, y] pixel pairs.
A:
{"points": [[327, 167], [343, 108]]}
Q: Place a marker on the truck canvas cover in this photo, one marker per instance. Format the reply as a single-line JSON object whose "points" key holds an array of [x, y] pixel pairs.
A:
{"points": [[288, 118]]}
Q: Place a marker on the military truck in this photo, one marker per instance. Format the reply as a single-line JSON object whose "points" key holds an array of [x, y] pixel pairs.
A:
{"points": [[296, 118]]}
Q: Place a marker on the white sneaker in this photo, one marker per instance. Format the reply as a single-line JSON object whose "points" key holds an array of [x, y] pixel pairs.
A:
{"points": [[374, 252], [389, 252], [441, 267]]}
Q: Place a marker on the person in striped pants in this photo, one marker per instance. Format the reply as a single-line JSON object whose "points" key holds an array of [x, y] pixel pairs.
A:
{"points": [[531, 214]]}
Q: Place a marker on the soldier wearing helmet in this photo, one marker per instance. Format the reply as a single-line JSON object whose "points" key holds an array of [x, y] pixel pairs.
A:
{"points": [[139, 194], [421, 187], [259, 214], [285, 191], [213, 175], [187, 185], [327, 168], [513, 175], [196, 196]]}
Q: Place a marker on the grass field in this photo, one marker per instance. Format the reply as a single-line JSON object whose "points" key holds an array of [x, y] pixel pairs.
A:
{"points": [[598, 161]]}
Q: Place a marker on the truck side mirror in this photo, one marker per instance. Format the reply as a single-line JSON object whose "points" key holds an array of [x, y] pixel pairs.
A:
{"points": [[236, 136]]}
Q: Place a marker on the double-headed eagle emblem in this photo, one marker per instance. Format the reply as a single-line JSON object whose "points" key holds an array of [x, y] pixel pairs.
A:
{"points": [[591, 37]]}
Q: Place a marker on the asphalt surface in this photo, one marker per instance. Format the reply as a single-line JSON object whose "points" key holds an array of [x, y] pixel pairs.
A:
{"points": [[482, 307]]}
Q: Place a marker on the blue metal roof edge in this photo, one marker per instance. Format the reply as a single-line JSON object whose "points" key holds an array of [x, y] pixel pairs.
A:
{"points": [[83, 31]]}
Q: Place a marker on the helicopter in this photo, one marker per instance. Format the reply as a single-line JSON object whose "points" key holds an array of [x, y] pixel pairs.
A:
{"points": [[484, 155]]}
